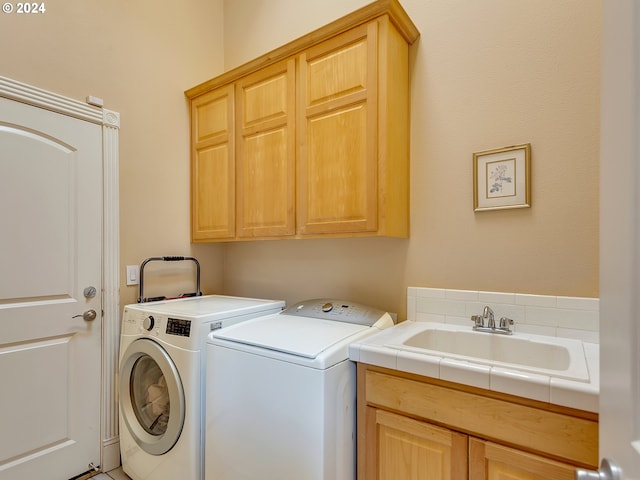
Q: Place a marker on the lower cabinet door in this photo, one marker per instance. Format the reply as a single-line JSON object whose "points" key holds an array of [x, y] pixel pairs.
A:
{"points": [[410, 449], [489, 461]]}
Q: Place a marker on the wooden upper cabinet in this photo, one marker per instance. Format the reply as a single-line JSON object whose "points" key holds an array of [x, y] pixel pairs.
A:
{"points": [[212, 165], [317, 139], [265, 152]]}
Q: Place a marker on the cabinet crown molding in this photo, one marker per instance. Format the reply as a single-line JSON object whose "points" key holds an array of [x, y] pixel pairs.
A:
{"points": [[392, 8]]}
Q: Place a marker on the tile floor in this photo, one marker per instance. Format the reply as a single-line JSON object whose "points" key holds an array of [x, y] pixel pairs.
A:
{"points": [[116, 474]]}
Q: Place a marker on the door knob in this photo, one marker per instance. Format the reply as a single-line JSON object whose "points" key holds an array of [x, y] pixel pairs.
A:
{"points": [[608, 471], [87, 316]]}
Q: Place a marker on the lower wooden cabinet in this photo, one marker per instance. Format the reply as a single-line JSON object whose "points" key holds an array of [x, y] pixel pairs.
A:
{"points": [[416, 428], [410, 449], [491, 461]]}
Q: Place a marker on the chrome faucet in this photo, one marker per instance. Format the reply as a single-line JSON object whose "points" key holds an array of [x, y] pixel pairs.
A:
{"points": [[490, 326], [488, 314]]}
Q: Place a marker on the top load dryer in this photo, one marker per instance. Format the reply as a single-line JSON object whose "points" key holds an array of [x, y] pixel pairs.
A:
{"points": [[281, 393]]}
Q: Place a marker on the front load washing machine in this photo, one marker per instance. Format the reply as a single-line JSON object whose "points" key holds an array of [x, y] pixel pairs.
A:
{"points": [[161, 381], [281, 393]]}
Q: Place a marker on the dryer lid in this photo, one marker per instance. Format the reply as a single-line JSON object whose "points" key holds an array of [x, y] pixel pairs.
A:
{"points": [[301, 336], [210, 306]]}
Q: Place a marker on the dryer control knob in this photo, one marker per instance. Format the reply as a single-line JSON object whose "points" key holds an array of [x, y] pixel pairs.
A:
{"points": [[148, 323], [327, 307]]}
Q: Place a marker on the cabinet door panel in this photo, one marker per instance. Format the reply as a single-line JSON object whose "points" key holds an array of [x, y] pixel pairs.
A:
{"points": [[338, 162], [265, 203], [211, 114], [337, 73], [212, 166], [265, 157], [340, 193], [265, 99], [490, 461], [213, 193], [412, 450]]}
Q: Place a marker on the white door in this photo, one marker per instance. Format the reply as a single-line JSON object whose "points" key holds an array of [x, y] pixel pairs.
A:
{"points": [[50, 257], [620, 238]]}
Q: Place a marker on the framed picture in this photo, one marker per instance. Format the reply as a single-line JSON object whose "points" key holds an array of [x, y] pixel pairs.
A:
{"points": [[502, 178]]}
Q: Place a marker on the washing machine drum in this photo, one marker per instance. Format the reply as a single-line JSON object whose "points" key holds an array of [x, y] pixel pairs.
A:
{"points": [[151, 396]]}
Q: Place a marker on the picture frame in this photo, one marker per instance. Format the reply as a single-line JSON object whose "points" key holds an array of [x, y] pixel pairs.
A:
{"points": [[502, 178]]}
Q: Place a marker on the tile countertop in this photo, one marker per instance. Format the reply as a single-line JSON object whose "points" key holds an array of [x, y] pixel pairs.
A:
{"points": [[376, 350]]}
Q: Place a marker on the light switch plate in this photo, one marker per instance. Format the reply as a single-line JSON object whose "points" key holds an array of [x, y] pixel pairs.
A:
{"points": [[133, 272]]}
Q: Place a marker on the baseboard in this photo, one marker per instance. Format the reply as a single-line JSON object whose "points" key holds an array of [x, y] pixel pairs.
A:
{"points": [[110, 454]]}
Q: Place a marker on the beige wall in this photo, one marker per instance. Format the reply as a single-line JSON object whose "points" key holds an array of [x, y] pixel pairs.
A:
{"points": [[139, 57], [485, 75], [253, 27]]}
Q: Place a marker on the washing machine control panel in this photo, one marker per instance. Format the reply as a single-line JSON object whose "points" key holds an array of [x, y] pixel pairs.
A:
{"points": [[135, 322], [337, 310], [177, 326]]}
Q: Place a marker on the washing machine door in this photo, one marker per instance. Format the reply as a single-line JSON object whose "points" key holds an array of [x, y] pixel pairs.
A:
{"points": [[151, 396]]}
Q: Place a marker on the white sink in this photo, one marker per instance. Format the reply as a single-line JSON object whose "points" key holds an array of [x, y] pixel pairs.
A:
{"points": [[552, 356]]}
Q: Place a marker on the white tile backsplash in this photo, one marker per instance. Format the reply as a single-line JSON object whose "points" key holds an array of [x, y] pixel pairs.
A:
{"points": [[578, 303], [570, 317], [467, 295], [430, 292], [536, 300], [441, 306], [497, 297]]}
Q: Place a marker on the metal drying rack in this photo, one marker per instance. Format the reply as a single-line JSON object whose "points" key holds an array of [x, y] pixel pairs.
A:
{"points": [[197, 293]]}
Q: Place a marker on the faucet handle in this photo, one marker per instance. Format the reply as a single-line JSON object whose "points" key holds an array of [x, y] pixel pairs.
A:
{"points": [[478, 320], [505, 322]]}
